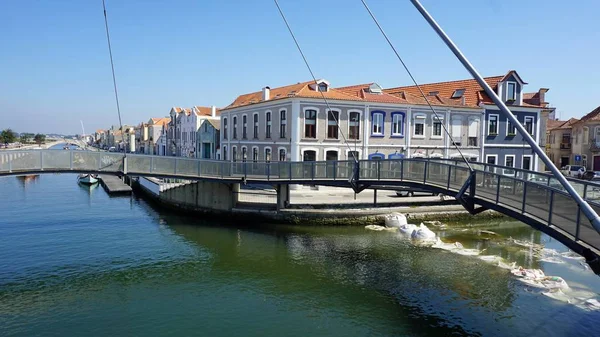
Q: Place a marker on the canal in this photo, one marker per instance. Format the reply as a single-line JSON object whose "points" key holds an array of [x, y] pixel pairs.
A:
{"points": [[76, 262]]}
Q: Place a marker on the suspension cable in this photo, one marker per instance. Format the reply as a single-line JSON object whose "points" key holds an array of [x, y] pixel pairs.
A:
{"points": [[316, 83], [112, 66], [415, 82]]}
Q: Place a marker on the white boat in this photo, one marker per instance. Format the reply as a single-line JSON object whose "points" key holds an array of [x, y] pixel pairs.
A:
{"points": [[88, 179]]}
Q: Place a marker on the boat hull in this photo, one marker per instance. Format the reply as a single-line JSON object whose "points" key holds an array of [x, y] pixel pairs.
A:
{"points": [[88, 179]]}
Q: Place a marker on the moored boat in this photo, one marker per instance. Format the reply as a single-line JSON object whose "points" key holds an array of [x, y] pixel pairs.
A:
{"points": [[88, 179]]}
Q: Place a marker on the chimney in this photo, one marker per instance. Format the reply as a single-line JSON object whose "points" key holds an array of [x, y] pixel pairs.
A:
{"points": [[542, 94], [266, 93], [213, 111]]}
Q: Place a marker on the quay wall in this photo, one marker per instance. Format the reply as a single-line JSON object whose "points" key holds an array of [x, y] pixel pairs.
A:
{"points": [[213, 199]]}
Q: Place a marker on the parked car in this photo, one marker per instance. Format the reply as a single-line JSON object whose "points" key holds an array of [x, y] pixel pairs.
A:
{"points": [[413, 191], [574, 171], [591, 175], [112, 149]]}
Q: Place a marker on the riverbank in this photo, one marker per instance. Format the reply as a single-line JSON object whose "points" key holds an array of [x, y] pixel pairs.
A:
{"points": [[341, 214]]}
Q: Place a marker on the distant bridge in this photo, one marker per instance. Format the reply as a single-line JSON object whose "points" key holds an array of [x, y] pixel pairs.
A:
{"points": [[534, 198]]}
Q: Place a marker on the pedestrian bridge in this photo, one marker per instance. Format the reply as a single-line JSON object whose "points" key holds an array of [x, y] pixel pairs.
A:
{"points": [[535, 198]]}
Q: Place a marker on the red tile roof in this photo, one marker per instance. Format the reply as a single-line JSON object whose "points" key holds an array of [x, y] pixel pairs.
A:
{"points": [[298, 90], [442, 91], [554, 123], [592, 116], [206, 111]]}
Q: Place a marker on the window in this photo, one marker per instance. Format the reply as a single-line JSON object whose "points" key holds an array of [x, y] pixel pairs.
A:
{"points": [[282, 123], [244, 153], [281, 154], [586, 135], [331, 155], [244, 126], [510, 128], [310, 123], [419, 130], [268, 127], [526, 164], [322, 87], [437, 126], [509, 161], [255, 154], [268, 155], [309, 155], [397, 124], [234, 152], [234, 127], [511, 91], [472, 141], [377, 122], [354, 125], [332, 126], [529, 124], [493, 125], [224, 152], [491, 160], [353, 155], [255, 126], [458, 93]]}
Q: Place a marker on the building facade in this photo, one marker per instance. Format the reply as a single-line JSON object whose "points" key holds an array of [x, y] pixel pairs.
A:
{"points": [[362, 121], [209, 140], [560, 141], [500, 142], [585, 141]]}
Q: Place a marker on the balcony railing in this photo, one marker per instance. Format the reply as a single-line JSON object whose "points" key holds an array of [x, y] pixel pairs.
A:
{"points": [[565, 146], [595, 145]]}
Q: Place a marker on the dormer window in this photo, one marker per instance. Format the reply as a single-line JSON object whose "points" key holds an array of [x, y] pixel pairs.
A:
{"points": [[458, 93], [374, 88], [322, 87], [511, 91]]}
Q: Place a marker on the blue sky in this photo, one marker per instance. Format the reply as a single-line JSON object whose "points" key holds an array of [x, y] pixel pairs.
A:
{"points": [[55, 70]]}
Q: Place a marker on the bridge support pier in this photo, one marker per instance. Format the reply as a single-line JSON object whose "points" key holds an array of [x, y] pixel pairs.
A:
{"points": [[283, 196]]}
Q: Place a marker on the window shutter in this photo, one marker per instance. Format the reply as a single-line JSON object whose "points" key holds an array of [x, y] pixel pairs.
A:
{"points": [[456, 131], [473, 126]]}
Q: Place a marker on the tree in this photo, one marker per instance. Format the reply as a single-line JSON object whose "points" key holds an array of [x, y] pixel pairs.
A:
{"points": [[7, 136], [39, 138], [26, 137]]}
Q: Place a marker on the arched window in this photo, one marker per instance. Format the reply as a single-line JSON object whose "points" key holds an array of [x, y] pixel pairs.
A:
{"points": [[268, 155], [244, 127], [282, 123], [234, 153], [225, 128], [234, 127], [282, 155], [244, 153], [255, 126], [268, 126]]}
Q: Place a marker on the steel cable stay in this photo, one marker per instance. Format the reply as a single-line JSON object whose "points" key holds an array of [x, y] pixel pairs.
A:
{"points": [[316, 83], [112, 66], [415, 82]]}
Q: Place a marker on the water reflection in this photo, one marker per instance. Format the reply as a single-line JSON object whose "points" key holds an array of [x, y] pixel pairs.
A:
{"points": [[27, 180]]}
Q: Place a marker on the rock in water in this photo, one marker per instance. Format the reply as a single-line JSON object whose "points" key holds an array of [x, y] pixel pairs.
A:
{"points": [[395, 220], [422, 233]]}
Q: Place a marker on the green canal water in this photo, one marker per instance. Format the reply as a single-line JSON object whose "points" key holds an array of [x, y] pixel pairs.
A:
{"points": [[76, 262]]}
